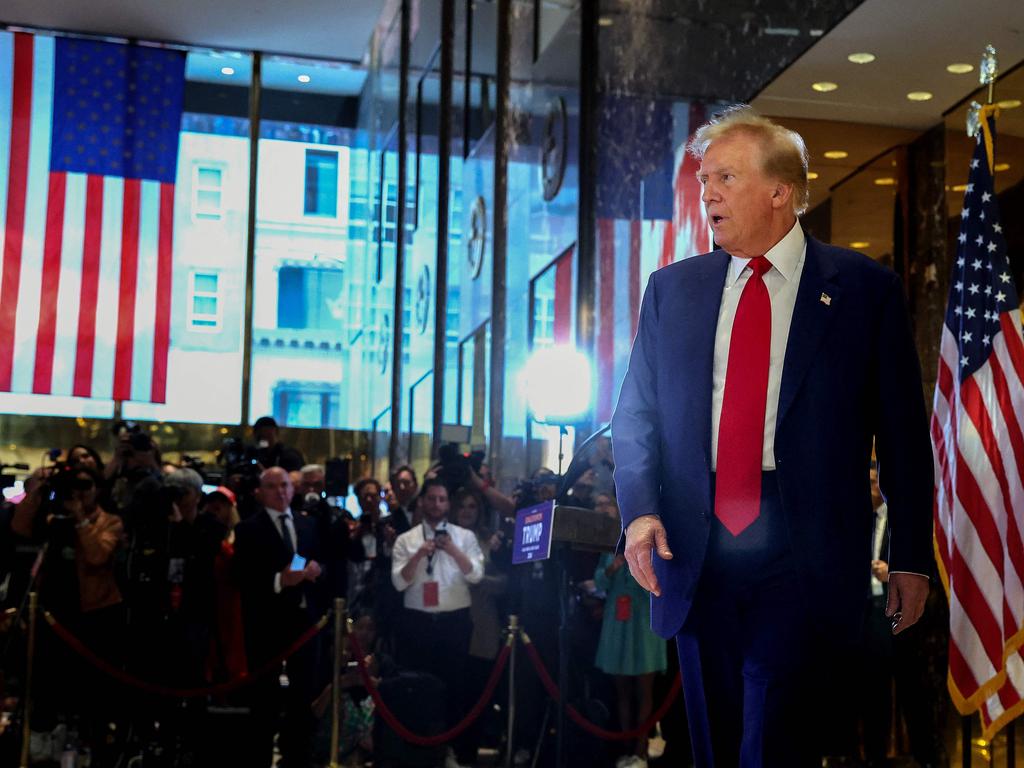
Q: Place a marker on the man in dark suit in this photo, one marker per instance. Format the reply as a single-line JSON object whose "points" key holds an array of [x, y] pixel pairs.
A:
{"points": [[277, 602], [759, 377]]}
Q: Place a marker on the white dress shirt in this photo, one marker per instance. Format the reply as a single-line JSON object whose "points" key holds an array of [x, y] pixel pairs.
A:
{"points": [[782, 280], [452, 583], [275, 518], [881, 518]]}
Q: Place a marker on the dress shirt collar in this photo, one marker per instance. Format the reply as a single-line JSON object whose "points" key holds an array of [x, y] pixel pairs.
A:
{"points": [[275, 514], [784, 255]]}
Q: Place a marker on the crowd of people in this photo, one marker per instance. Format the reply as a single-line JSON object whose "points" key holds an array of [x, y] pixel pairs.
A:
{"points": [[182, 584]]}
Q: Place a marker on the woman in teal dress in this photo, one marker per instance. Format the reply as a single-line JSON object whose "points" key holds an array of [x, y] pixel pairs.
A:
{"points": [[628, 650]]}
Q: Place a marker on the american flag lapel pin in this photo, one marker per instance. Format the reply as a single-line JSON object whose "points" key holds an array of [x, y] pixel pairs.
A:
{"points": [[826, 299]]}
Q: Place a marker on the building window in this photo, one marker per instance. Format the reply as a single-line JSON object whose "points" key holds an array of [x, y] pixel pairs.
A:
{"points": [[321, 183], [311, 298], [205, 311], [306, 404], [207, 192]]}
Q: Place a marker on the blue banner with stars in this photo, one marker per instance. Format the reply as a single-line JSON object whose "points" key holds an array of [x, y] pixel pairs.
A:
{"points": [[116, 109]]}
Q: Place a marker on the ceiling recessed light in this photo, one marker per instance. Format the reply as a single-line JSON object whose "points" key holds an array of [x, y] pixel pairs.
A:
{"points": [[811, 175], [960, 188], [227, 71], [303, 78], [885, 181], [919, 95], [1002, 167], [605, 21], [824, 86], [861, 58], [1009, 103], [960, 68], [860, 244], [837, 154]]}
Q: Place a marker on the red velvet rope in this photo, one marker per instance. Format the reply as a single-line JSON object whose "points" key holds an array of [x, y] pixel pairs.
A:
{"points": [[185, 693], [429, 741], [574, 714]]}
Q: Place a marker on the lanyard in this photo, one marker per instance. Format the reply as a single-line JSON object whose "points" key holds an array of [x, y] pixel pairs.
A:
{"points": [[430, 557]]}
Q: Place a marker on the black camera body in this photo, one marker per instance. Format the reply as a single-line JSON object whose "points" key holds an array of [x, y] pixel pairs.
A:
{"points": [[456, 466]]}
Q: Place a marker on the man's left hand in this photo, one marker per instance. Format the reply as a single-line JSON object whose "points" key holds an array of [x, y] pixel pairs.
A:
{"points": [[907, 595]]}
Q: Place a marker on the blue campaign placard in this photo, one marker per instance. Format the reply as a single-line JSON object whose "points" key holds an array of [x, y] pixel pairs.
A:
{"points": [[532, 540]]}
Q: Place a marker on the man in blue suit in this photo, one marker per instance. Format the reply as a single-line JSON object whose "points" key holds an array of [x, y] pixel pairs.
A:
{"points": [[761, 376]]}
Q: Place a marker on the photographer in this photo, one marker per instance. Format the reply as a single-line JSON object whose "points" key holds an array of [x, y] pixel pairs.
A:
{"points": [[457, 470], [272, 452], [136, 458], [82, 542]]}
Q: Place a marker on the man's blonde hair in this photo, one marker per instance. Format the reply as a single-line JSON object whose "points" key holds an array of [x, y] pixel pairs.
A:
{"points": [[784, 155]]}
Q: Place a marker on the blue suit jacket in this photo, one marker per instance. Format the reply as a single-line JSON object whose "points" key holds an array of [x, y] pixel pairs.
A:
{"points": [[851, 375]]}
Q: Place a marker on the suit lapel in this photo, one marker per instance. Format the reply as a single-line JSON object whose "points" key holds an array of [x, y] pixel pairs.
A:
{"points": [[702, 299], [812, 316]]}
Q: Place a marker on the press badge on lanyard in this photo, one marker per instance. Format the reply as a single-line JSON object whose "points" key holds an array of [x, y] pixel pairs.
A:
{"points": [[431, 598]]}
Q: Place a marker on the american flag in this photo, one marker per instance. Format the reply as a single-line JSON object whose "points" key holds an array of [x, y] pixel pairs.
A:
{"points": [[88, 159], [978, 440]]}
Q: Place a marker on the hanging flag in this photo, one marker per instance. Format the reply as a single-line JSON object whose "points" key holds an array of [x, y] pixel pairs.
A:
{"points": [[88, 159], [978, 439]]}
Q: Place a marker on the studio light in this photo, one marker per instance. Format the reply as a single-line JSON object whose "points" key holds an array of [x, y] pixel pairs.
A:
{"points": [[557, 383]]}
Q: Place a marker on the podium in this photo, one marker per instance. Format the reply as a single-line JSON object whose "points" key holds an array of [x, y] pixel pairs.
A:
{"points": [[538, 530], [584, 529]]}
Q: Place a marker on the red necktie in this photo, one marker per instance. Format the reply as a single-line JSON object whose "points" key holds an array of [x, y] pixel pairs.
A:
{"points": [[741, 427]]}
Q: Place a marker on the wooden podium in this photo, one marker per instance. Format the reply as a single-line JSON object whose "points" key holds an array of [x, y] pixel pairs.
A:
{"points": [[584, 529]]}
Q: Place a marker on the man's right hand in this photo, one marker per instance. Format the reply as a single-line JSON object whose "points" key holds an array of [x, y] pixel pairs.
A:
{"points": [[644, 536], [427, 548]]}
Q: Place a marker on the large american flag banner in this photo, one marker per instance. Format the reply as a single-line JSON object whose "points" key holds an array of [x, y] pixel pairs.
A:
{"points": [[978, 439], [88, 158]]}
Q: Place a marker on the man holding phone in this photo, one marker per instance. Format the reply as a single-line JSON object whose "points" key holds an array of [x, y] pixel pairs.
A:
{"points": [[276, 566], [433, 565]]}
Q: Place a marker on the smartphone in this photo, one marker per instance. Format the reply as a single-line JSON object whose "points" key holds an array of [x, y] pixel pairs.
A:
{"points": [[298, 563]]}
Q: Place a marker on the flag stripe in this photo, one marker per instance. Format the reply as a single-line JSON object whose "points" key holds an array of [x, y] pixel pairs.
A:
{"points": [[70, 288], [563, 300], [126, 294], [1010, 324], [17, 187], [54, 239], [162, 323], [144, 317], [90, 286], [989, 462]]}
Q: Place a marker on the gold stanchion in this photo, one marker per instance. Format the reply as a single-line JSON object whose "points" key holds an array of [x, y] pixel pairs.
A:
{"points": [[339, 650], [26, 728], [513, 636]]}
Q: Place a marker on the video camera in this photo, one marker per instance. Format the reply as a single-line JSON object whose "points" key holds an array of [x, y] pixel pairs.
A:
{"points": [[456, 466]]}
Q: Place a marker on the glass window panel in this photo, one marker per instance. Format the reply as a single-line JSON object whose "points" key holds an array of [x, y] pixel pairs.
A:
{"points": [[312, 194], [205, 283]]}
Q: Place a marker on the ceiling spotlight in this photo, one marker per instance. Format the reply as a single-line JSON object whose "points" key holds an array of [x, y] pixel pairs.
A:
{"points": [[837, 154], [824, 86], [885, 181], [960, 68], [960, 188], [860, 244], [811, 175], [303, 78], [605, 21], [919, 95], [227, 71], [1002, 167], [1009, 103], [861, 58]]}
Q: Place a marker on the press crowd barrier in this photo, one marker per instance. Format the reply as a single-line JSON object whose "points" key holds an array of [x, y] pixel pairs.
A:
{"points": [[343, 635]]}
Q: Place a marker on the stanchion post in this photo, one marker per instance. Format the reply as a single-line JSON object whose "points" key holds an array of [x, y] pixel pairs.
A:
{"points": [[513, 637], [30, 653], [339, 649]]}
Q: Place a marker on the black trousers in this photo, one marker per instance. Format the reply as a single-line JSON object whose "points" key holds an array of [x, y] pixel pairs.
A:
{"points": [[438, 644]]}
